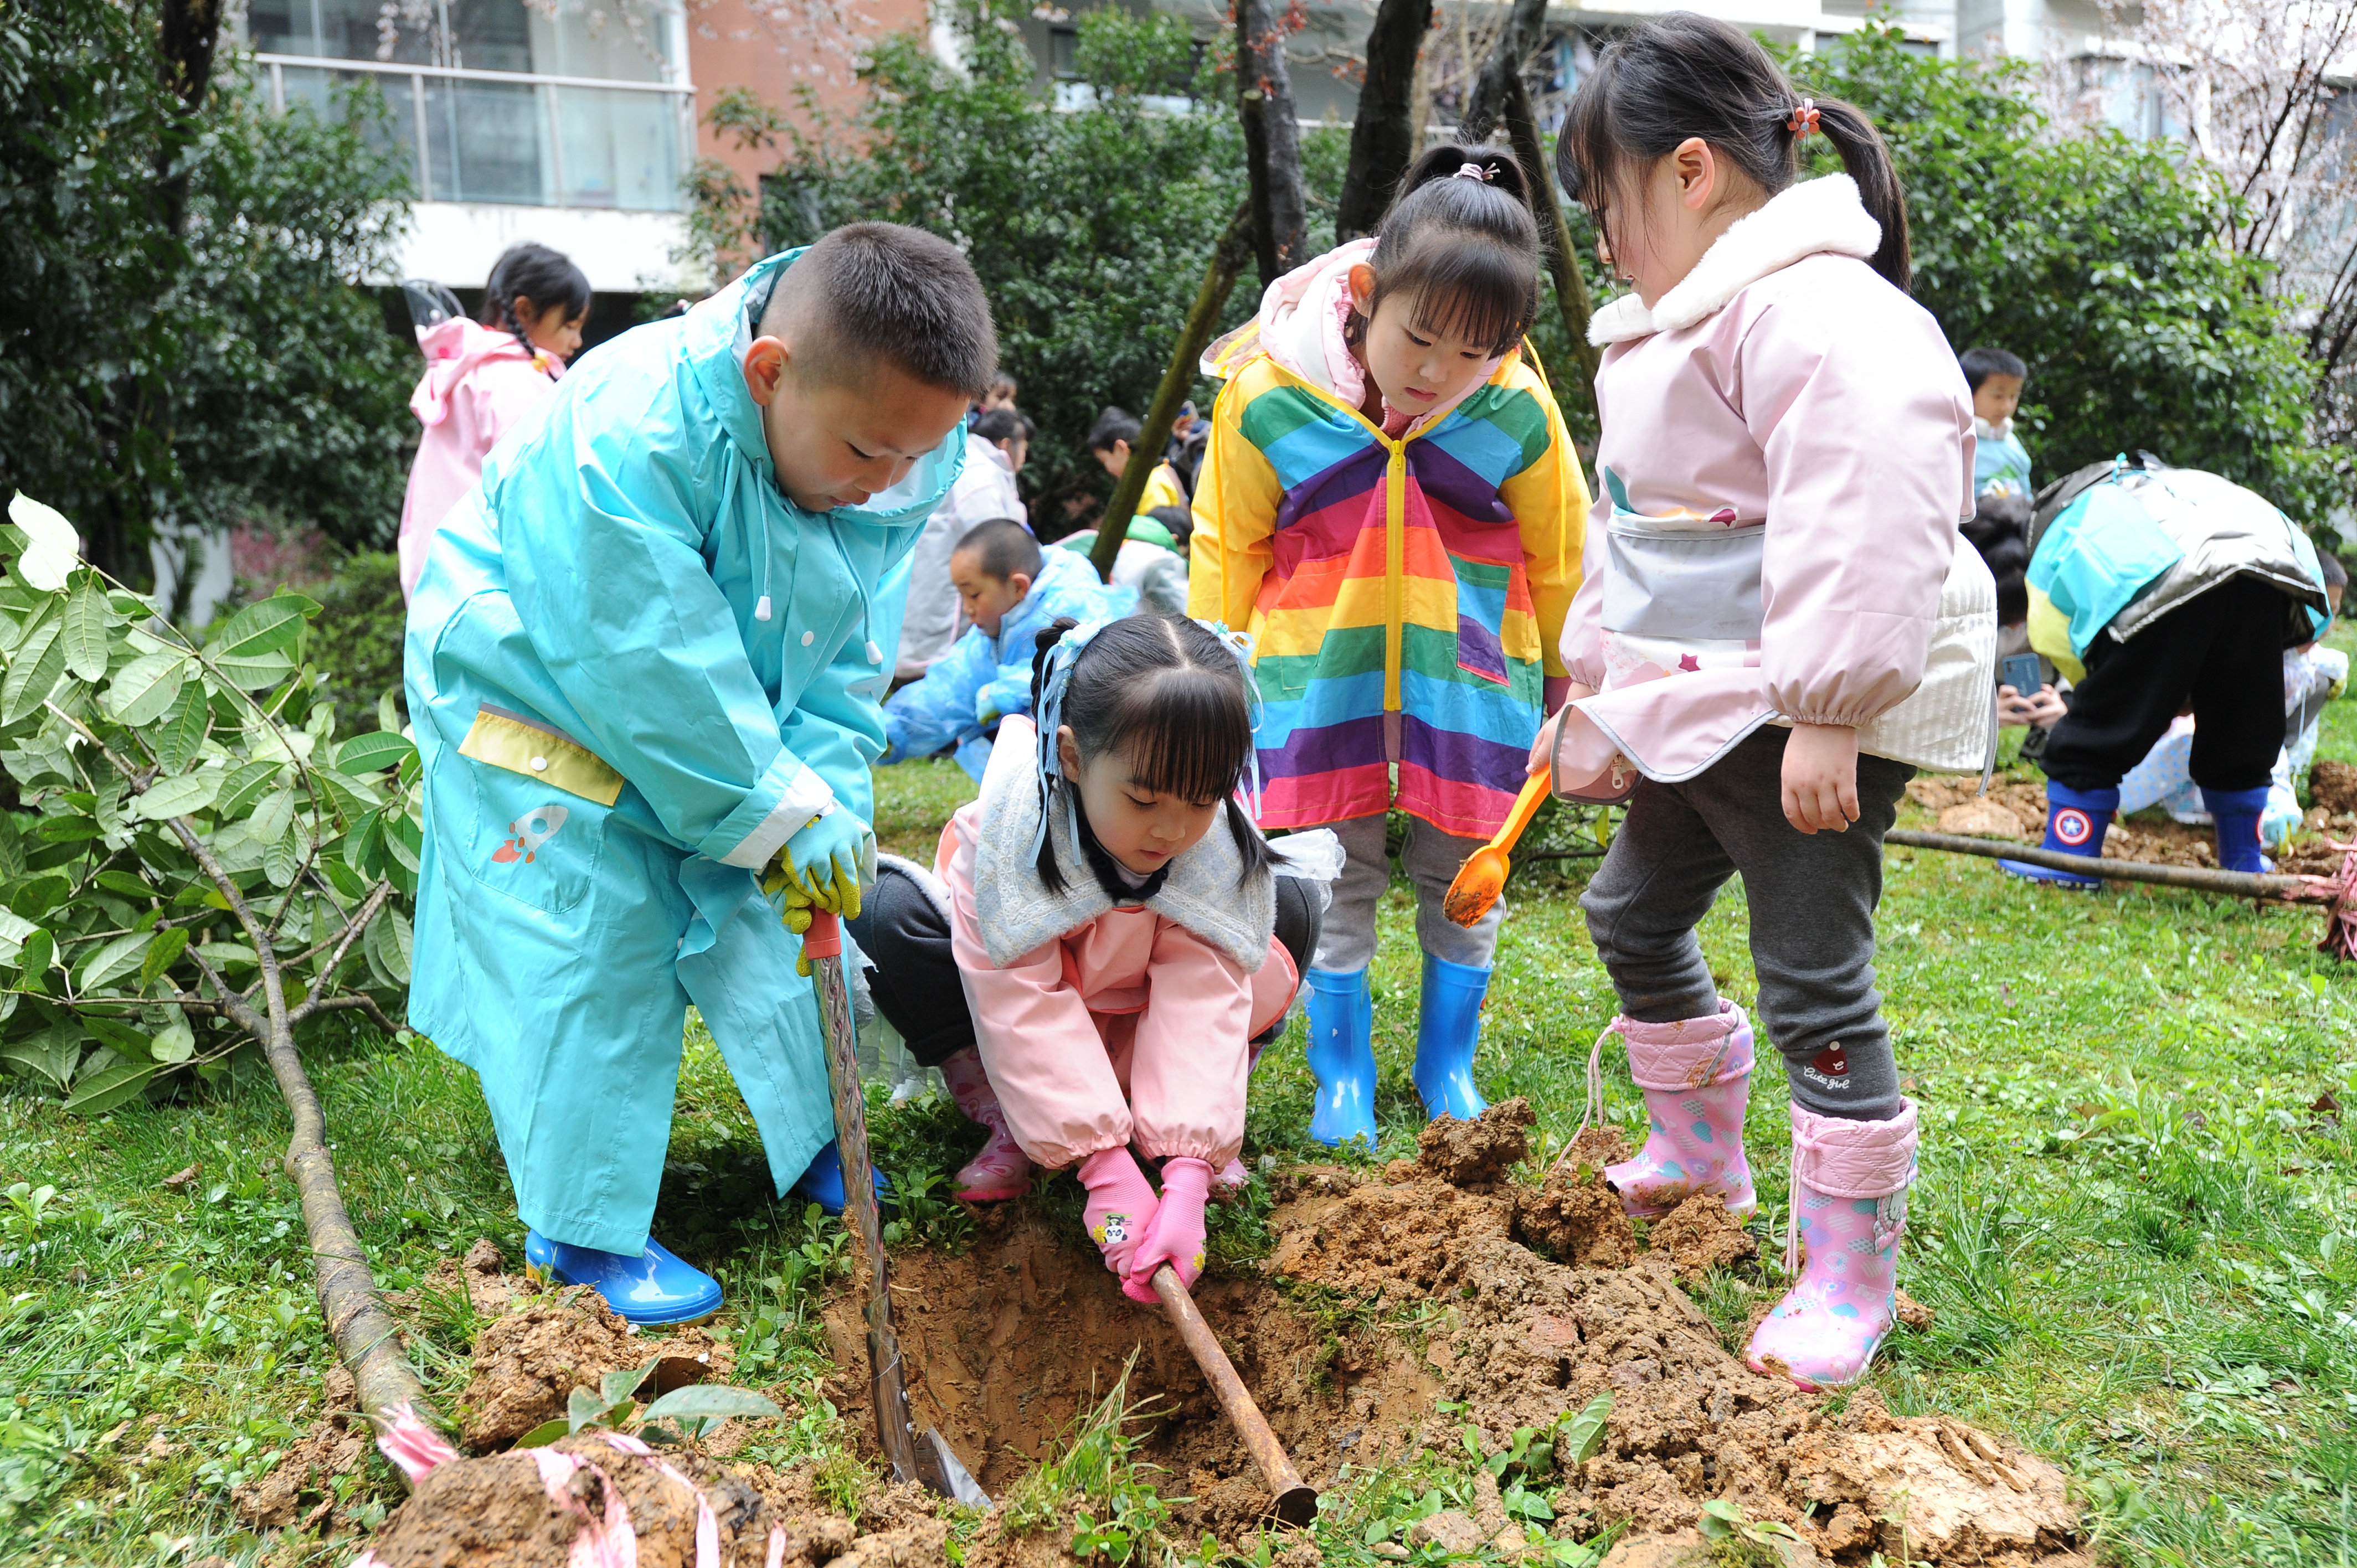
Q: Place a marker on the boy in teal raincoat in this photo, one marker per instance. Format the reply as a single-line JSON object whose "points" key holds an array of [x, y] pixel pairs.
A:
{"points": [[645, 663]]}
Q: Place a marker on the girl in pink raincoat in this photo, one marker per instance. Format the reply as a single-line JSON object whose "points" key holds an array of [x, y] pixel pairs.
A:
{"points": [[1106, 941], [1775, 626], [481, 376]]}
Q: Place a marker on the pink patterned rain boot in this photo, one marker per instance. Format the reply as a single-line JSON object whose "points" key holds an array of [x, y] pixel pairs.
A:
{"points": [[1697, 1075], [1848, 1210], [1001, 1170]]}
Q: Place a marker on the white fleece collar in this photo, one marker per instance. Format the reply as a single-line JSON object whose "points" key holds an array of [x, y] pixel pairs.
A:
{"points": [[1803, 220]]}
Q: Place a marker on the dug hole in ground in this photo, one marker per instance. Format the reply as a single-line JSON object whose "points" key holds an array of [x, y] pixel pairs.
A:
{"points": [[1395, 1311]]}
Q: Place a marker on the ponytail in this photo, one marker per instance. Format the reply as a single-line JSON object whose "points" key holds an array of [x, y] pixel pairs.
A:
{"points": [[1461, 243], [1683, 75]]}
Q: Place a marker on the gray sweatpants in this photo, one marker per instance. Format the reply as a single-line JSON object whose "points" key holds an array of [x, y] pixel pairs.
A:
{"points": [[1812, 898], [1430, 858]]}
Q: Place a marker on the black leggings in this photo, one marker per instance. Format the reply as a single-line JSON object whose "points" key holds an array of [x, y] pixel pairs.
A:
{"points": [[2224, 649], [904, 930]]}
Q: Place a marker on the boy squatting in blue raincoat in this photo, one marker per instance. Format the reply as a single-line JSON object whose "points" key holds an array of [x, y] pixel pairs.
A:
{"points": [[987, 673], [645, 660]]}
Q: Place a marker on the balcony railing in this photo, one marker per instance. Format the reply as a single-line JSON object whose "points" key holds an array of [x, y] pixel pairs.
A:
{"points": [[503, 136]]}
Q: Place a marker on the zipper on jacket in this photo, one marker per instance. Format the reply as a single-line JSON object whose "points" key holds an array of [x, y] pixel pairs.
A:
{"points": [[1395, 570]]}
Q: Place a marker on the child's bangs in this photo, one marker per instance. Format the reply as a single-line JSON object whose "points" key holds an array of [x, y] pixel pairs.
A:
{"points": [[1184, 732], [1476, 293]]}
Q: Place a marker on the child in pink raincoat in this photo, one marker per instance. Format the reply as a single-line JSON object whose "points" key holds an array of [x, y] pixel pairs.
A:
{"points": [[481, 378], [1774, 629], [1104, 940]]}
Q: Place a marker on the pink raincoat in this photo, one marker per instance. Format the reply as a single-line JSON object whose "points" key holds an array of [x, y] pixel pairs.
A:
{"points": [[1787, 454], [1130, 1022], [478, 383]]}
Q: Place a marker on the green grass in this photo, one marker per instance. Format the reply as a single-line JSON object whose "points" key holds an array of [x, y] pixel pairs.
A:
{"points": [[2135, 1231]]}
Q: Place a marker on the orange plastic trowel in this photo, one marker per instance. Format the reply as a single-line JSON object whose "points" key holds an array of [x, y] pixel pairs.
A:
{"points": [[1483, 875]]}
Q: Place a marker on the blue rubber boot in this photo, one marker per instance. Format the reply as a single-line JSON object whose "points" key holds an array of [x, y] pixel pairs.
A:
{"points": [[2235, 815], [652, 1288], [823, 1183], [1448, 1028], [2076, 821], [1341, 1052]]}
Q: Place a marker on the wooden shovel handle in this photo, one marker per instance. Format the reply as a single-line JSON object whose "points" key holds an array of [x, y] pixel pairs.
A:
{"points": [[1292, 1501]]}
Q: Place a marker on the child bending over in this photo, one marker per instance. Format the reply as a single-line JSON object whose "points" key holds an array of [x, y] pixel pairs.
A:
{"points": [[1121, 940], [1010, 588]]}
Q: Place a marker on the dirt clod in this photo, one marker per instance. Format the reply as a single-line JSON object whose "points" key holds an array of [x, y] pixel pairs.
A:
{"points": [[1700, 1235], [2334, 786], [1477, 1154], [1454, 1532], [1576, 1221], [1913, 1313], [528, 1363], [301, 1488]]}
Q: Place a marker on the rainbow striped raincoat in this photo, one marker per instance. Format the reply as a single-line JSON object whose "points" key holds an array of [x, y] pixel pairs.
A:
{"points": [[1406, 596]]}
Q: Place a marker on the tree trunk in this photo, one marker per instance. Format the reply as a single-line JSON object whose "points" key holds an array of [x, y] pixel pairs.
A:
{"points": [[1219, 281], [1555, 241], [1486, 106], [185, 43], [1383, 140], [1272, 141]]}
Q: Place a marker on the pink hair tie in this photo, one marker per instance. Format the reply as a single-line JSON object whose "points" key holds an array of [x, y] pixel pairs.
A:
{"points": [[1475, 171], [1803, 122]]}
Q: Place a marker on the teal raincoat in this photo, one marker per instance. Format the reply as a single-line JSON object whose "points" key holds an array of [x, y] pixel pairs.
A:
{"points": [[635, 669]]}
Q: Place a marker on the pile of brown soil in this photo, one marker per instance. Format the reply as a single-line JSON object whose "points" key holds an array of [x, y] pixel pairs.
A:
{"points": [[527, 1361], [1381, 1297]]}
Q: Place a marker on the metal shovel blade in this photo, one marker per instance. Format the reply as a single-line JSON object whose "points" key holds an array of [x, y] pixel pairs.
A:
{"points": [[943, 1471], [914, 1456]]}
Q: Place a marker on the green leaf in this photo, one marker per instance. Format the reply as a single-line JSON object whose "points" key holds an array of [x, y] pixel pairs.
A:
{"points": [[146, 688], [123, 882], [374, 753], [388, 941], [620, 1384], [126, 1041], [546, 1433], [33, 672], [37, 896], [116, 959], [40, 952], [242, 788], [255, 673], [52, 1054], [272, 817], [115, 1086], [583, 1407], [181, 734], [263, 629], [85, 629], [181, 796], [14, 932], [1583, 1434], [169, 945], [283, 859], [364, 847], [712, 1401], [350, 798], [175, 1043], [228, 955], [69, 830], [12, 849]]}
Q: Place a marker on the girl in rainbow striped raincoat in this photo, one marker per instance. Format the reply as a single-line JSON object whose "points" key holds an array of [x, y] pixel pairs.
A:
{"points": [[1389, 504]]}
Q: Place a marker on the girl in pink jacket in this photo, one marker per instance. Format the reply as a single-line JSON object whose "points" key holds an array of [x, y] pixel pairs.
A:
{"points": [[1775, 627], [1104, 941], [482, 377]]}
